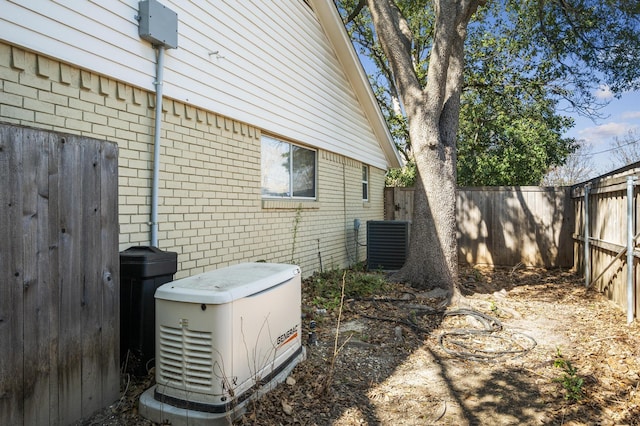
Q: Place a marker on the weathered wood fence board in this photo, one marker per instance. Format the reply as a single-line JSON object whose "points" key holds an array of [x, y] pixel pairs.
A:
{"points": [[59, 269], [110, 273], [11, 294], [504, 226]]}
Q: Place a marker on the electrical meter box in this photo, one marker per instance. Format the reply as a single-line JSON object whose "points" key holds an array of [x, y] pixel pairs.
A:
{"points": [[221, 337], [158, 24]]}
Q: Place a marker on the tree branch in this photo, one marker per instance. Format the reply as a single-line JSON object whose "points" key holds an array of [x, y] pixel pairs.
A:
{"points": [[395, 38], [355, 12]]}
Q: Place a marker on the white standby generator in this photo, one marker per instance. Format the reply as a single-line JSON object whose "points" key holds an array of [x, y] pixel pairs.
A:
{"points": [[223, 338]]}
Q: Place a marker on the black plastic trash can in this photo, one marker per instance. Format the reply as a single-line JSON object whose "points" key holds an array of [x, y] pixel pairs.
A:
{"points": [[142, 270]]}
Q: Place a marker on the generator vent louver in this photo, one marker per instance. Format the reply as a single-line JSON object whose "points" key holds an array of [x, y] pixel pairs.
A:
{"points": [[387, 244], [185, 358]]}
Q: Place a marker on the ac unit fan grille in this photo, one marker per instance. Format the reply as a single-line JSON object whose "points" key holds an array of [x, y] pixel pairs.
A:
{"points": [[387, 244], [185, 358]]}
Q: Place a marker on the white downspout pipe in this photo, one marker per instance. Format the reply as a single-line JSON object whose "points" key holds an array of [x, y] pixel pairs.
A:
{"points": [[156, 146], [630, 248]]}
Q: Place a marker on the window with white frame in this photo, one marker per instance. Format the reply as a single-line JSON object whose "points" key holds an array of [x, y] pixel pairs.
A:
{"points": [[288, 170], [365, 182]]}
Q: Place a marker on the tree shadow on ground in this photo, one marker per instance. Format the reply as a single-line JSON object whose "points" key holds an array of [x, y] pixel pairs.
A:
{"points": [[488, 279], [496, 395], [390, 370]]}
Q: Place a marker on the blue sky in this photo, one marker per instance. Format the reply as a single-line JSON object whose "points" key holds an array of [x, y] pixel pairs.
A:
{"points": [[620, 116]]}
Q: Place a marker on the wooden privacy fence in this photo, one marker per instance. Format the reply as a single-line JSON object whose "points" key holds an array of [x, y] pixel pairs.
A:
{"points": [[605, 234], [504, 226], [59, 277]]}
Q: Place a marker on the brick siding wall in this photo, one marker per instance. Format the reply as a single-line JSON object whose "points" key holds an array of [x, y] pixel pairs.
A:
{"points": [[210, 208]]}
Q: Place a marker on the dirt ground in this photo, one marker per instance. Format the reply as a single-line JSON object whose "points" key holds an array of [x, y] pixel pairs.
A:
{"points": [[524, 347]]}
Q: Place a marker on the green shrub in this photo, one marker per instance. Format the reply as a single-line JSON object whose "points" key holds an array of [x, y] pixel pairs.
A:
{"points": [[570, 381], [324, 288]]}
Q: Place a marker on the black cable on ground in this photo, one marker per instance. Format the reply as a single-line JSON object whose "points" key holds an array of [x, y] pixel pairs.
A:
{"points": [[415, 311], [468, 345], [489, 343]]}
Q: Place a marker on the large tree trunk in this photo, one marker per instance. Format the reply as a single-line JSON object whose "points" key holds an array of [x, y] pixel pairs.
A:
{"points": [[432, 260], [433, 116]]}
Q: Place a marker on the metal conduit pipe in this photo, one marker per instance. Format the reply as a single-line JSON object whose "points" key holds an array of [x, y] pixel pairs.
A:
{"points": [[630, 248], [156, 145]]}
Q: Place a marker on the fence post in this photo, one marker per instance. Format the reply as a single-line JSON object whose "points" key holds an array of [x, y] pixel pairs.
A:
{"points": [[587, 253], [630, 247]]}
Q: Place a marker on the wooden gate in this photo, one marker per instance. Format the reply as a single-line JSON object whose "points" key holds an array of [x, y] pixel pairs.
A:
{"points": [[398, 203], [59, 276]]}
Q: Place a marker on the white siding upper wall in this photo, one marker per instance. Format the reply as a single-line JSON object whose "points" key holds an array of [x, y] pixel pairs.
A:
{"points": [[267, 63]]}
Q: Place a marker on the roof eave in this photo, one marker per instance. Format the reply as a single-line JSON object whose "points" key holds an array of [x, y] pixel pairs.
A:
{"points": [[331, 22]]}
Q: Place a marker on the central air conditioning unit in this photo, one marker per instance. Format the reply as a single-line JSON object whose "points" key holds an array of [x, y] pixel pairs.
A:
{"points": [[387, 244], [223, 338]]}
